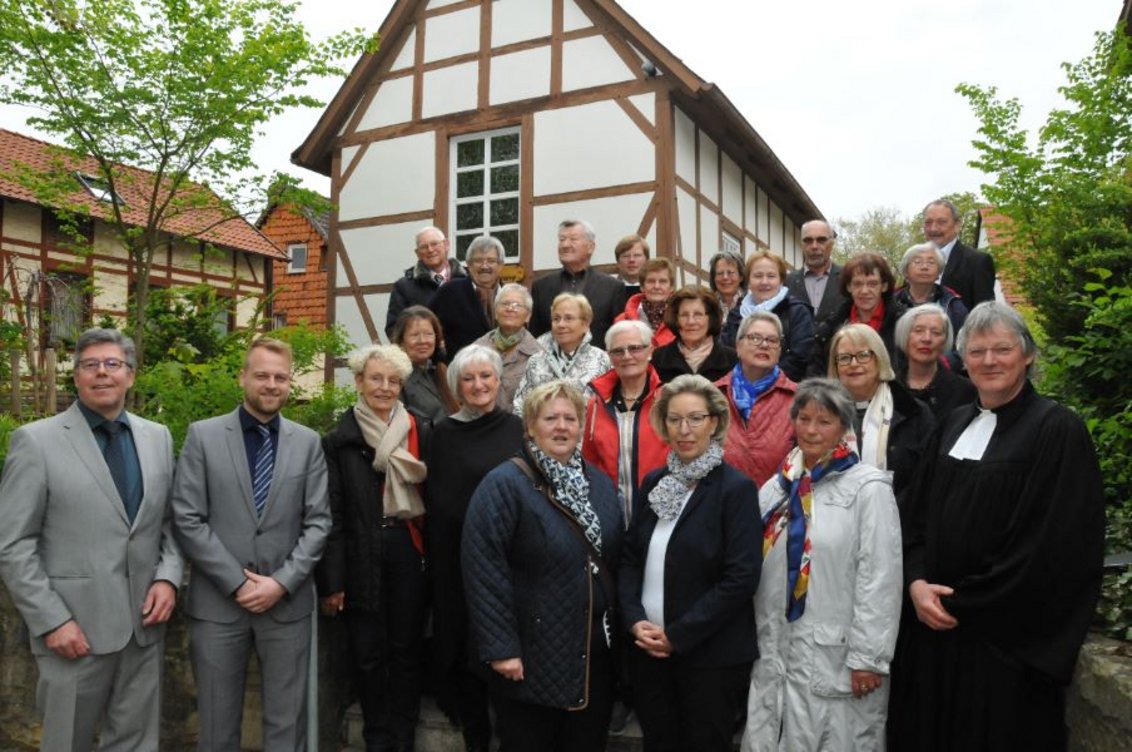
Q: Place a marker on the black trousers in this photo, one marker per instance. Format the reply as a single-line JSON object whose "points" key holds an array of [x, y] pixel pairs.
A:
{"points": [[525, 727], [683, 708], [386, 648]]}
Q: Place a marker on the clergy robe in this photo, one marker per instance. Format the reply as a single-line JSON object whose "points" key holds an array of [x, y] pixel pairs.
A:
{"points": [[1019, 535]]}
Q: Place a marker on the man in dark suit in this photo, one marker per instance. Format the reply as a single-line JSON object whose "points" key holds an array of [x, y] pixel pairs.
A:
{"points": [[606, 295], [421, 281], [251, 513], [88, 555], [970, 273], [466, 305], [818, 284]]}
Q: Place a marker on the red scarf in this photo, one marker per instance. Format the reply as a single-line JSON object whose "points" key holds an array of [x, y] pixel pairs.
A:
{"points": [[875, 321]]}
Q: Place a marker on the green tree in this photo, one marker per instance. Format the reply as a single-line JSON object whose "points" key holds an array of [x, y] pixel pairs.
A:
{"points": [[178, 88]]}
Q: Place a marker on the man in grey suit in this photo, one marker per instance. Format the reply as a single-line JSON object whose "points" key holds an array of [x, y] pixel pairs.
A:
{"points": [[251, 514], [88, 555]]}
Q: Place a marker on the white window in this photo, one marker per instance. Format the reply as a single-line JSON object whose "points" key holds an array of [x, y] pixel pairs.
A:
{"points": [[485, 174], [731, 243], [99, 188], [298, 254]]}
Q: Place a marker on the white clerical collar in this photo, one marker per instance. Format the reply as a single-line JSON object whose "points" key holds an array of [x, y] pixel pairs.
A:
{"points": [[972, 443]]}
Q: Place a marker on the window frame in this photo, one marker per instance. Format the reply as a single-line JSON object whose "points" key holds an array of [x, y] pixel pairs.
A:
{"points": [[293, 268], [512, 254]]}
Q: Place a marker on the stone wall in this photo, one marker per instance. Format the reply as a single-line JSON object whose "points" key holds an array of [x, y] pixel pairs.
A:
{"points": [[1099, 709]]}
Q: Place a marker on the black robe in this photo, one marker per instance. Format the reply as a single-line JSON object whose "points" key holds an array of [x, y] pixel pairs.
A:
{"points": [[460, 455], [1019, 535]]}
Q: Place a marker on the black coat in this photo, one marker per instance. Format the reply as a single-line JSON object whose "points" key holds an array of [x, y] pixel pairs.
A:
{"points": [[669, 362], [832, 299], [969, 273], [352, 560], [824, 331], [911, 428], [416, 287], [606, 295], [797, 350], [462, 318], [711, 569]]}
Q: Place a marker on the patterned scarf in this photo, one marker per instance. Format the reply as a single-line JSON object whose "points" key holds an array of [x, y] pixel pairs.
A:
{"points": [[793, 513], [744, 393], [667, 497], [504, 342], [571, 488], [654, 312]]}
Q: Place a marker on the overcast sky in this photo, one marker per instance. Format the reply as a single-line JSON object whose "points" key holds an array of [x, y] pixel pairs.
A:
{"points": [[857, 99]]}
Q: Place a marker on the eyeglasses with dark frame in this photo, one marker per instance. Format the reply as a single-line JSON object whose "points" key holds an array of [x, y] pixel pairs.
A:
{"points": [[757, 340], [862, 357], [91, 365]]}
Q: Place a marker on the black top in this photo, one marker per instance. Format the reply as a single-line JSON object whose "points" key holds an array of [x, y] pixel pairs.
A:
{"points": [[669, 362], [606, 295], [946, 392]]}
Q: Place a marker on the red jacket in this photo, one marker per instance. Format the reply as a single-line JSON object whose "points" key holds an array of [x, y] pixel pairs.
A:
{"points": [[756, 447], [660, 337], [601, 441]]}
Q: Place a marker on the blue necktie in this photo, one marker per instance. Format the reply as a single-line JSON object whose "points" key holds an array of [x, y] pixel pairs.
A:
{"points": [[264, 464]]}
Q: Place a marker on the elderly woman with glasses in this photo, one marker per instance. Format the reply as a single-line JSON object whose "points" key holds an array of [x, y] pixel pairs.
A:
{"points": [[923, 336], [920, 267], [758, 394], [725, 279], [511, 339], [372, 573], [765, 274], [465, 447], [658, 279], [890, 427], [694, 315], [618, 437], [828, 604], [540, 548], [417, 331], [567, 351], [690, 567], [867, 283], [1003, 545]]}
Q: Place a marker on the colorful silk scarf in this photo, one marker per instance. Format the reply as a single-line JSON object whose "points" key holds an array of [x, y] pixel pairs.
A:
{"points": [[793, 514]]}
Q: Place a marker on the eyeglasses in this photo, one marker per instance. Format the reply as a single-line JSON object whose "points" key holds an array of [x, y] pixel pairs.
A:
{"points": [[393, 382], [483, 261], [511, 305], [862, 357], [432, 245], [924, 261], [758, 340], [695, 420], [91, 365], [564, 319], [819, 240], [691, 316], [627, 350], [726, 273]]}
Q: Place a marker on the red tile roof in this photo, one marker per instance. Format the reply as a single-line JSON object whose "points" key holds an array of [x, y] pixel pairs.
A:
{"points": [[208, 223]]}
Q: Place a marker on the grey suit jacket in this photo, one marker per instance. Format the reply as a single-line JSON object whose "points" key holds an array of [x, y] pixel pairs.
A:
{"points": [[67, 549], [221, 534], [831, 299]]}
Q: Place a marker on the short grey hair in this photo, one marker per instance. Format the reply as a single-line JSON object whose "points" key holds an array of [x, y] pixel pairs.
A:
{"points": [[423, 230], [944, 202], [691, 383], [865, 335], [828, 394], [989, 314], [751, 318], [828, 226], [514, 288], [916, 250], [100, 336], [587, 228], [391, 354], [472, 355], [908, 320], [485, 242], [629, 325]]}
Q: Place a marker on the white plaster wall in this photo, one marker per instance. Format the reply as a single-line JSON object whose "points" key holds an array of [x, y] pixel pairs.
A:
{"points": [[709, 169], [392, 104], [573, 17], [589, 146], [685, 137], [749, 247], [440, 3], [775, 239], [347, 121], [520, 75], [749, 202], [111, 290], [408, 52], [763, 232], [732, 199], [378, 186], [518, 20], [709, 234], [22, 222], [646, 103], [451, 89], [349, 316], [451, 34], [686, 207], [591, 62], [379, 255], [612, 218]]}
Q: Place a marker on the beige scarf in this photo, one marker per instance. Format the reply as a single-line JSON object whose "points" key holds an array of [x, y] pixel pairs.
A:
{"points": [[696, 356], [402, 470], [872, 445]]}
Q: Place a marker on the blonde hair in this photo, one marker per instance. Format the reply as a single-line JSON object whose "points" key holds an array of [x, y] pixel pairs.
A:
{"points": [[543, 394]]}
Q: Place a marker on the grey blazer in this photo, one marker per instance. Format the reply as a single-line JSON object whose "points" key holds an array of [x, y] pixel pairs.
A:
{"points": [[67, 549], [217, 526]]}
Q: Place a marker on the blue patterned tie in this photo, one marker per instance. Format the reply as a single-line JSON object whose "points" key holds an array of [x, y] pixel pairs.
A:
{"points": [[264, 464]]}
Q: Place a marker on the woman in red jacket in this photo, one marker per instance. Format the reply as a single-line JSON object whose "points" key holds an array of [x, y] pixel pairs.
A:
{"points": [[658, 282], [617, 436], [758, 394]]}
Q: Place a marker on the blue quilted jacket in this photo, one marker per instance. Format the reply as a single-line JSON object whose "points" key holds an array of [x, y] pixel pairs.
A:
{"points": [[527, 584]]}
